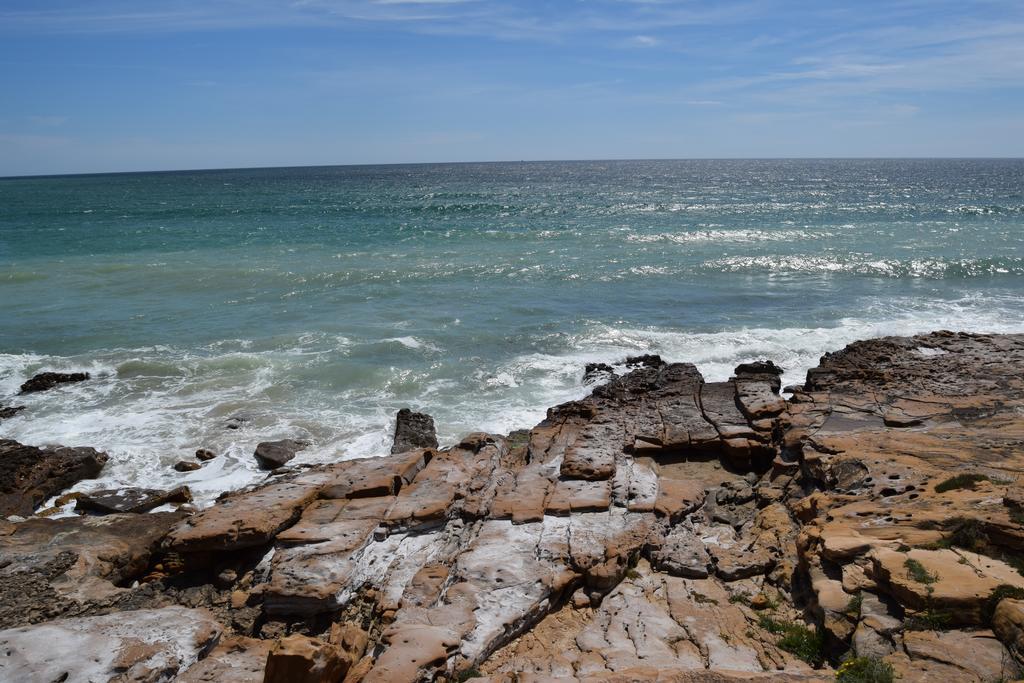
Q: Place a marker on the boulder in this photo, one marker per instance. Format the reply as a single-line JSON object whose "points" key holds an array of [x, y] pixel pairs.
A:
{"points": [[48, 380], [110, 501], [1008, 624], [273, 454], [205, 454], [30, 475], [412, 431], [144, 645], [186, 466]]}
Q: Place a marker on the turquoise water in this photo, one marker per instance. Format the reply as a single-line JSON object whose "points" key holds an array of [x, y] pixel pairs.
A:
{"points": [[318, 301]]}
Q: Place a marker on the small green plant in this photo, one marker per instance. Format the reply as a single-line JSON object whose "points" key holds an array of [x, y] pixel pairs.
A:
{"points": [[632, 573], [739, 598], [928, 620], [1017, 515], [467, 674], [805, 643], [853, 606], [702, 599], [917, 572], [961, 481], [797, 639], [865, 670], [968, 533]]}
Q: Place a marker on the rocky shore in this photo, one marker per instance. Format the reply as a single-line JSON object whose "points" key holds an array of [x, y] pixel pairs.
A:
{"points": [[663, 528]]}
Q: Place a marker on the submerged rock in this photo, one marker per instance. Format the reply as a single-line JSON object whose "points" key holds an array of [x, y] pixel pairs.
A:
{"points": [[273, 454], [413, 430], [10, 411], [48, 380], [30, 475]]}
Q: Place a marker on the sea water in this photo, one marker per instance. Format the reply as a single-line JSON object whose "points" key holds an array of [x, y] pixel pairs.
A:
{"points": [[315, 302]]}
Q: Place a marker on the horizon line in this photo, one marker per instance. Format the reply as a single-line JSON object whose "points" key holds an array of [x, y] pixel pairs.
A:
{"points": [[212, 169]]}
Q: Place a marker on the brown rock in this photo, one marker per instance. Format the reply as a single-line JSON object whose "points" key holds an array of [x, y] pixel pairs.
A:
{"points": [[273, 454], [30, 475], [186, 466], [205, 454], [301, 659]]}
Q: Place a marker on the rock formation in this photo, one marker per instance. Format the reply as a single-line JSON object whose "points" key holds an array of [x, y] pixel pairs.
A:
{"points": [[662, 528], [413, 430], [48, 380], [30, 475]]}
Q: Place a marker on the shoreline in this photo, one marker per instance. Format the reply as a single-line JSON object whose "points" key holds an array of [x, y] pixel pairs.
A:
{"points": [[752, 536]]}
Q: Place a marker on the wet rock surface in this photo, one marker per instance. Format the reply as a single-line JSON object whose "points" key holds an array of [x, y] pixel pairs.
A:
{"points": [[30, 475], [48, 380], [273, 454], [662, 528]]}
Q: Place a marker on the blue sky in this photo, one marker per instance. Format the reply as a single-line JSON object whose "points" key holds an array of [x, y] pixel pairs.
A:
{"points": [[113, 85]]}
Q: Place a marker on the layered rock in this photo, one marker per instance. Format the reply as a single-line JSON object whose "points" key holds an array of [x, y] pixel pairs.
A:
{"points": [[662, 527]]}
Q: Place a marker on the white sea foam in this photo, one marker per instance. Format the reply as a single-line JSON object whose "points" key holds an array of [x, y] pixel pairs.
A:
{"points": [[150, 407], [741, 236]]}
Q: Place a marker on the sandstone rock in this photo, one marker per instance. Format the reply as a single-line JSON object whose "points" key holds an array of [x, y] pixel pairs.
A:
{"points": [[144, 645], [52, 567], [959, 582], [30, 475], [48, 380], [186, 466], [958, 655], [110, 501], [1008, 624], [205, 454], [412, 431], [246, 519], [301, 659], [236, 659], [273, 454]]}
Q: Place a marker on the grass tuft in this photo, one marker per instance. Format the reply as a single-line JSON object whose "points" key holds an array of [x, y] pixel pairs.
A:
{"points": [[797, 639], [865, 670], [917, 572]]}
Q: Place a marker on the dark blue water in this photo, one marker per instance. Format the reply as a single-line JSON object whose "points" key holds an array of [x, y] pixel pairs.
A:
{"points": [[320, 300]]}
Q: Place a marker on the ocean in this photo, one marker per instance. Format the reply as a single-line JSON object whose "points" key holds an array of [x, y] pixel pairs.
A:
{"points": [[316, 302]]}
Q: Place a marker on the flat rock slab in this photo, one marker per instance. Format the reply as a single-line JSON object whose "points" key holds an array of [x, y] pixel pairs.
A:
{"points": [[578, 495], [52, 566], [111, 501], [30, 475], [48, 380], [145, 645], [375, 477], [592, 455], [246, 519]]}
